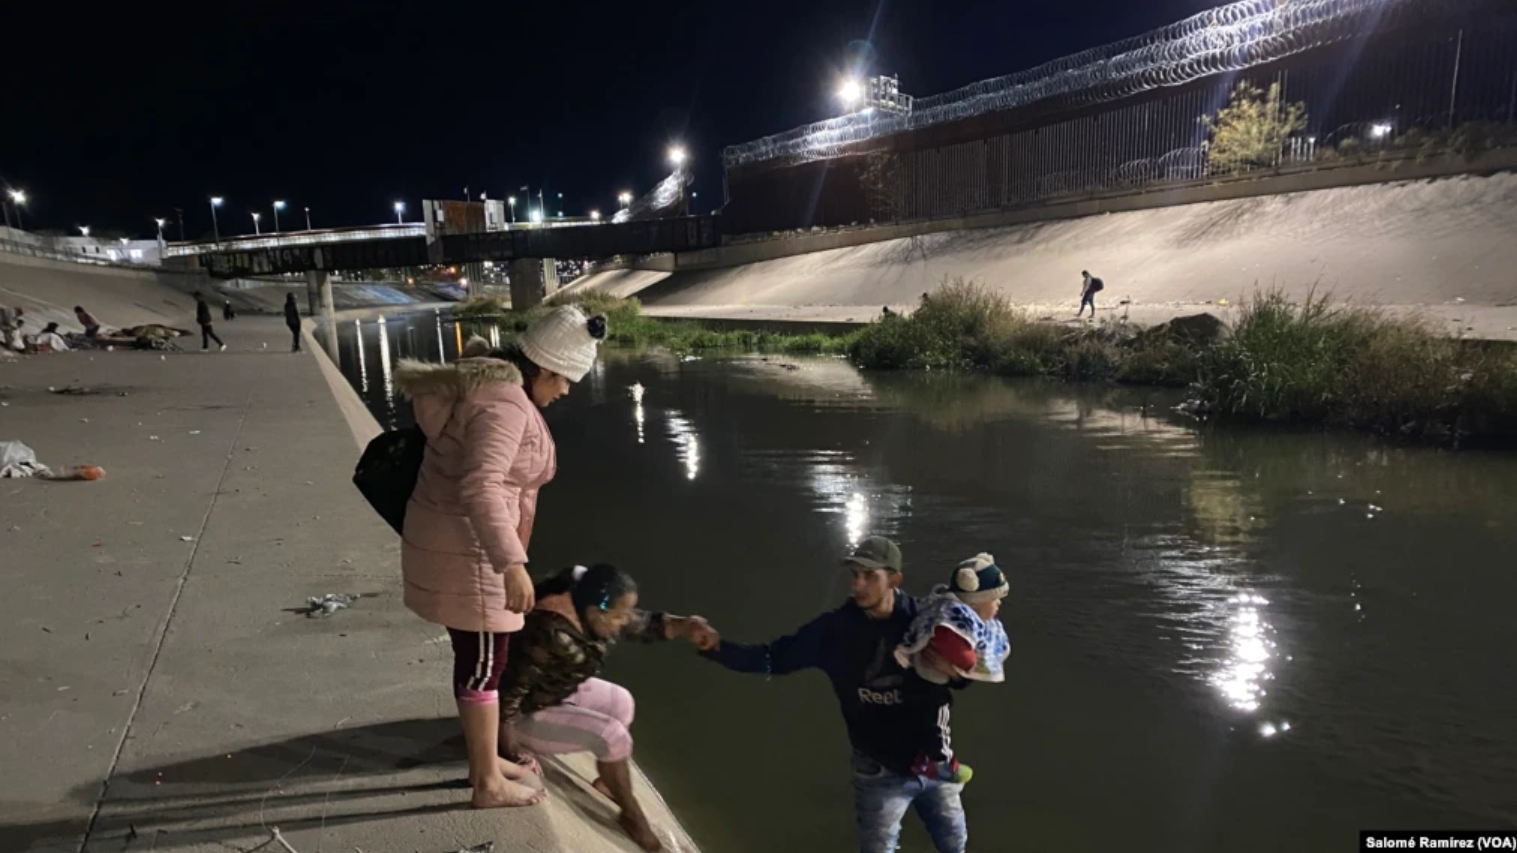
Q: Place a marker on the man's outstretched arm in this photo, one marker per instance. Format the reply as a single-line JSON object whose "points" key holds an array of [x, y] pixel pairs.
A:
{"points": [[798, 651]]}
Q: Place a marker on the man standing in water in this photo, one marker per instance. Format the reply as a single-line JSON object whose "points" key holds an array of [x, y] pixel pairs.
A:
{"points": [[897, 722]]}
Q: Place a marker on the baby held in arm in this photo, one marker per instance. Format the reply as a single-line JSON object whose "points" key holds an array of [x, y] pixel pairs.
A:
{"points": [[956, 634]]}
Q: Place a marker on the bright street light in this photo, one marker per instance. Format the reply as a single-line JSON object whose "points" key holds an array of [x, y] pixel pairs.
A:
{"points": [[595, 216], [159, 223], [1380, 130], [511, 200], [400, 212], [85, 230], [625, 199], [308, 219], [278, 206], [677, 155], [18, 198], [216, 201], [851, 92], [256, 216], [537, 216]]}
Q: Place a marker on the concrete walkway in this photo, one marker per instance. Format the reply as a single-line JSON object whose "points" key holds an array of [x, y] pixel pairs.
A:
{"points": [[162, 691]]}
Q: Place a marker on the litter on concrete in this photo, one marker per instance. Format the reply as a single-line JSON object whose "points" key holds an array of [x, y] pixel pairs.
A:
{"points": [[487, 847], [18, 460], [326, 605]]}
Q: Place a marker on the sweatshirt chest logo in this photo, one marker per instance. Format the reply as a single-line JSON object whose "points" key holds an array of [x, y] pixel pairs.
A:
{"points": [[880, 697]]}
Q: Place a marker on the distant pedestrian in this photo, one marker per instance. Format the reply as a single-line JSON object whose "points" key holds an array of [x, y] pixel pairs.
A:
{"points": [[90, 324], [292, 319], [207, 326], [228, 313], [1088, 293], [11, 320]]}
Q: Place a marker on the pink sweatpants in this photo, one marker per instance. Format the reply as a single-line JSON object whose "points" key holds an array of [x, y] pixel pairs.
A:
{"points": [[596, 718]]}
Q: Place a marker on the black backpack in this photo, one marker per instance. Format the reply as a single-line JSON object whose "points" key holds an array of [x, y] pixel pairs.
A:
{"points": [[387, 471], [1096, 285]]}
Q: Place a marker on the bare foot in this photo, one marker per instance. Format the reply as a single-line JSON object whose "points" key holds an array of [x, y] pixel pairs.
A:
{"points": [[640, 832], [524, 771], [605, 790], [502, 793]]}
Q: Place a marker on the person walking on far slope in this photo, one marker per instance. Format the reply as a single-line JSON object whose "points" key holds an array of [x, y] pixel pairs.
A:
{"points": [[207, 325], [292, 319], [1088, 293]]}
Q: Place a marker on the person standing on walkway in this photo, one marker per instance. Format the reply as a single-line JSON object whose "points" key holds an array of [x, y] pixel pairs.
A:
{"points": [[551, 701], [11, 320], [897, 722], [291, 319], [1088, 293], [468, 524], [90, 324], [207, 325]]}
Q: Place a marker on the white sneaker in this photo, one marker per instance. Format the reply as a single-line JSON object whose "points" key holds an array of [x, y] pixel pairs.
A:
{"points": [[223, 348]]}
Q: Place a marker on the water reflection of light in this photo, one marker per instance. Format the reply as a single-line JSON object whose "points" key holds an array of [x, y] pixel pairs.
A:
{"points": [[1245, 665], [687, 442], [363, 365], [442, 352], [384, 367], [866, 507], [856, 513], [636, 391]]}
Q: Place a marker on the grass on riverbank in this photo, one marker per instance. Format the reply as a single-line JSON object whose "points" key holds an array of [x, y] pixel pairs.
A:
{"points": [[1310, 362], [629, 327]]}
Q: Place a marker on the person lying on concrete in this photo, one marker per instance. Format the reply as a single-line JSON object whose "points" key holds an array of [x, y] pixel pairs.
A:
{"points": [[463, 556], [1088, 292], [90, 324], [897, 721], [551, 701], [291, 319], [49, 340]]}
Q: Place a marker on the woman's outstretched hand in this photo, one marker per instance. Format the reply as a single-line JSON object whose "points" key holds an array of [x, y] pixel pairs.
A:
{"points": [[519, 595], [700, 632]]}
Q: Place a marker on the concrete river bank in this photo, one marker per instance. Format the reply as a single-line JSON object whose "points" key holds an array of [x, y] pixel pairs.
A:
{"points": [[1224, 639]]}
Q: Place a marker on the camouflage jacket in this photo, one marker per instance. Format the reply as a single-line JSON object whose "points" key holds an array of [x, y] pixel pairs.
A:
{"points": [[550, 657]]}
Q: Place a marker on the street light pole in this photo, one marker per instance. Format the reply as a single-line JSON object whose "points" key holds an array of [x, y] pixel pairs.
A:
{"points": [[511, 202], [160, 228], [216, 201], [308, 219], [278, 206], [400, 213], [179, 212], [256, 230]]}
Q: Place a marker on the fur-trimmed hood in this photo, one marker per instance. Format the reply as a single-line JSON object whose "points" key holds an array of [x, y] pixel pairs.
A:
{"points": [[420, 378], [437, 388]]}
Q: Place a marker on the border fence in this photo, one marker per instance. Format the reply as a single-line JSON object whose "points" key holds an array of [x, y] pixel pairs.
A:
{"points": [[1367, 77]]}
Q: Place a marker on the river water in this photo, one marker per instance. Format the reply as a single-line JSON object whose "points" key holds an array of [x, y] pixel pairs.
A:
{"points": [[1225, 639]]}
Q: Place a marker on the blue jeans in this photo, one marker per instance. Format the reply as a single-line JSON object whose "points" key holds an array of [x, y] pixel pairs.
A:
{"points": [[881, 798]]}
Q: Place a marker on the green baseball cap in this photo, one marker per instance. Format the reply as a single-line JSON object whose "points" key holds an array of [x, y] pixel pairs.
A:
{"points": [[876, 552]]}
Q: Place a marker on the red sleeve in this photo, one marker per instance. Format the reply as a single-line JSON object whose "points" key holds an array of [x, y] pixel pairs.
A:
{"points": [[952, 648]]}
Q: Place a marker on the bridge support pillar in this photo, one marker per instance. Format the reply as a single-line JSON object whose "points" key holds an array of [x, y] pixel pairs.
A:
{"points": [[475, 272], [319, 294], [532, 279]]}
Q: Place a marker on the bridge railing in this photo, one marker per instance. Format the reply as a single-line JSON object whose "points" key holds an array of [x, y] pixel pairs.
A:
{"points": [[298, 238]]}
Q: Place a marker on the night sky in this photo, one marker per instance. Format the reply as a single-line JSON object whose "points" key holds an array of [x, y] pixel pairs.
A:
{"points": [[110, 118]]}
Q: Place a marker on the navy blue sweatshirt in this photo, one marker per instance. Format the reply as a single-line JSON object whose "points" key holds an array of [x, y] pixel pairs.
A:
{"points": [[893, 715]]}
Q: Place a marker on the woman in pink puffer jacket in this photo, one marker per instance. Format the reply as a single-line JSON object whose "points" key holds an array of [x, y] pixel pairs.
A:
{"points": [[464, 549]]}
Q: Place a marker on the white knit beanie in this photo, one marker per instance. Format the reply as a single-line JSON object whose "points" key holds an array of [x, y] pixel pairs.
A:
{"points": [[564, 341]]}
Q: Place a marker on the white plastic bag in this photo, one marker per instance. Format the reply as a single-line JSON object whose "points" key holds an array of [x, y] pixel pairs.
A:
{"points": [[18, 460]]}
